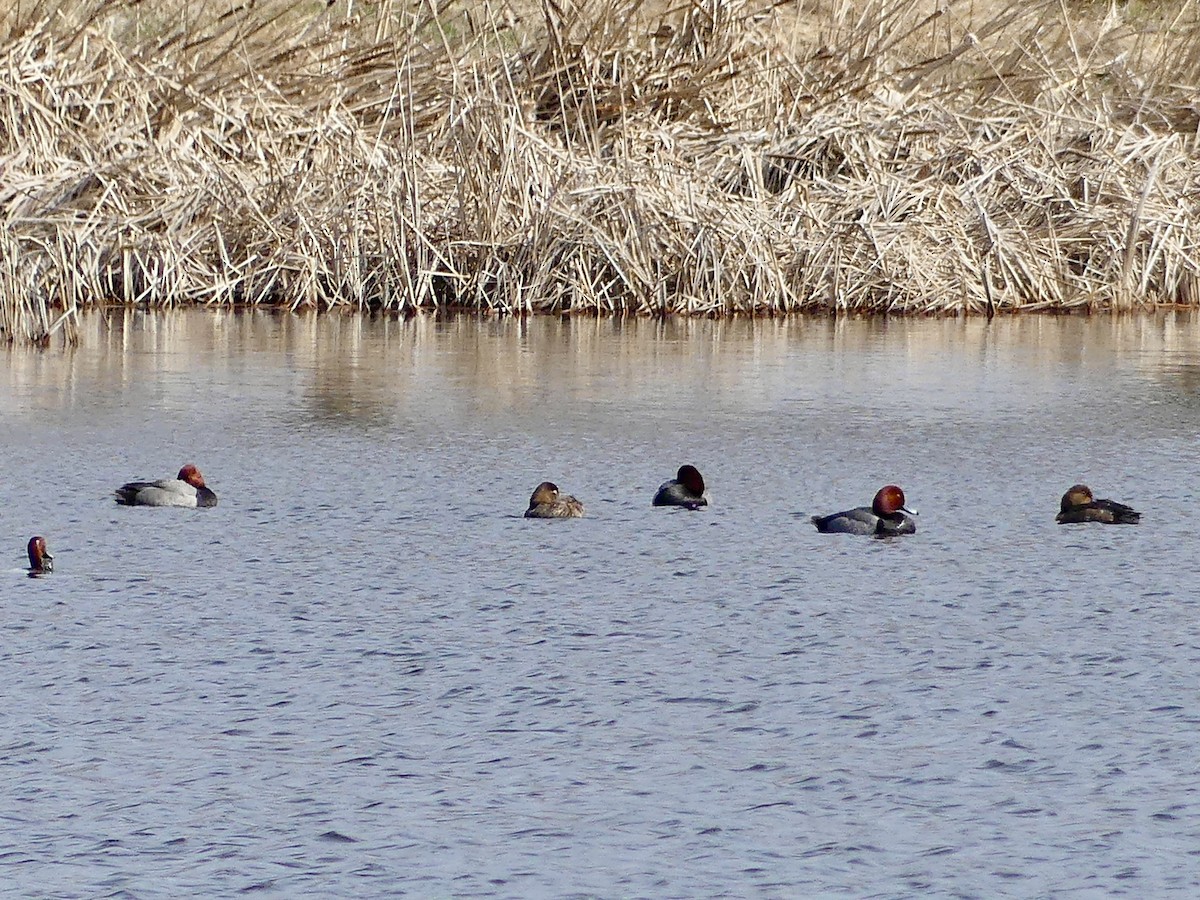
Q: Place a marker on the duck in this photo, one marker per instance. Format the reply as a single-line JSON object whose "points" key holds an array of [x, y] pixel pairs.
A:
{"points": [[41, 562], [686, 489], [887, 515], [547, 503], [1078, 505], [186, 489]]}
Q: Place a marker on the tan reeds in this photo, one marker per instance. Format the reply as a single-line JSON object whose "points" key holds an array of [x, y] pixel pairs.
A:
{"points": [[723, 156]]}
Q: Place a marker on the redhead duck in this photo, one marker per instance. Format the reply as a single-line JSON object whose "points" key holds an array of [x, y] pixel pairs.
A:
{"points": [[546, 503], [887, 515], [686, 489], [40, 560], [188, 489], [1078, 505]]}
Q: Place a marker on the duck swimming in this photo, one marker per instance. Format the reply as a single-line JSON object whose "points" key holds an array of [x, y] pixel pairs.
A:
{"points": [[187, 489], [686, 489], [40, 560], [887, 515], [1078, 505], [546, 503]]}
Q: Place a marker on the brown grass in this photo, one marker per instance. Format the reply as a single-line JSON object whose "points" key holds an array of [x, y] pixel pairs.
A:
{"points": [[707, 158]]}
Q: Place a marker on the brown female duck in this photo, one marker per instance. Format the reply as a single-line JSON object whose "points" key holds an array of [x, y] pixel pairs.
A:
{"points": [[1078, 505], [547, 503]]}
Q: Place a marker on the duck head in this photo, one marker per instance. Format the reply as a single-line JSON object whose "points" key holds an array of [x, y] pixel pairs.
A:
{"points": [[690, 478], [192, 476], [40, 559], [546, 492], [888, 501], [1077, 495]]}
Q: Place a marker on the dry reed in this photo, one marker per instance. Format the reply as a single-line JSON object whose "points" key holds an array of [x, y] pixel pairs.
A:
{"points": [[719, 157]]}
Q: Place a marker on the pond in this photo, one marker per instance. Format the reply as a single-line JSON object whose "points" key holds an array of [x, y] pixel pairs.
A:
{"points": [[365, 673]]}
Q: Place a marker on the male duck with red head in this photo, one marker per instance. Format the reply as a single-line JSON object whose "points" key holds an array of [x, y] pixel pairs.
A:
{"points": [[887, 515], [686, 489], [187, 489]]}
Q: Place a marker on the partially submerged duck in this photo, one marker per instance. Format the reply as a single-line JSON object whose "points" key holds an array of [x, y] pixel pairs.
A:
{"points": [[686, 489], [187, 489], [887, 515], [547, 503], [1078, 505], [40, 560]]}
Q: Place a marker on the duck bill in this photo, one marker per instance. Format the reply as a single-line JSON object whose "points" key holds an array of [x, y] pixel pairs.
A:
{"points": [[910, 511]]}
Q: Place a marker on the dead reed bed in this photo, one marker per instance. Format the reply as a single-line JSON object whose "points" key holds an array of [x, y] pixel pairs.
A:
{"points": [[714, 157]]}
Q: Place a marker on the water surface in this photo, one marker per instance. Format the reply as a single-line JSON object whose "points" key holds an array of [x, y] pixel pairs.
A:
{"points": [[364, 673]]}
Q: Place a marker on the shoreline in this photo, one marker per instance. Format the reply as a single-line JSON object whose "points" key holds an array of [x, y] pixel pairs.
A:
{"points": [[67, 330]]}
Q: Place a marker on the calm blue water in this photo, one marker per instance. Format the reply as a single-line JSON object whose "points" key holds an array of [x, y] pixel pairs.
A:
{"points": [[365, 674]]}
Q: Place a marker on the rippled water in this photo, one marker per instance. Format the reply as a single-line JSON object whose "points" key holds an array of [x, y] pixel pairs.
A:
{"points": [[364, 673]]}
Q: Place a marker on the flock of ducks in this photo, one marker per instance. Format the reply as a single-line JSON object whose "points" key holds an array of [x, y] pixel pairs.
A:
{"points": [[887, 515]]}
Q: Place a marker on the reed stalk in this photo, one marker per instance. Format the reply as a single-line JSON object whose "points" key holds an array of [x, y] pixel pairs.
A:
{"points": [[713, 158]]}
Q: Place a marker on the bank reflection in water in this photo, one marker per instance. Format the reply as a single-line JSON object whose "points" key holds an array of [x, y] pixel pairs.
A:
{"points": [[362, 366]]}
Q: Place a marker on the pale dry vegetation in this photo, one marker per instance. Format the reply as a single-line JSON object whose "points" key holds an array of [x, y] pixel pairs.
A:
{"points": [[706, 158]]}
